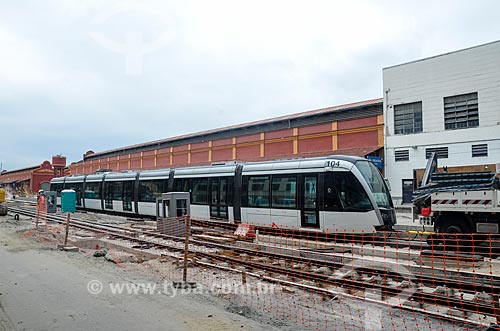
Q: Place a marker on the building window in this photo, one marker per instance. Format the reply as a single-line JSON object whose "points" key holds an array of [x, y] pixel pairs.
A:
{"points": [[461, 111], [442, 152], [408, 118], [479, 150], [402, 155]]}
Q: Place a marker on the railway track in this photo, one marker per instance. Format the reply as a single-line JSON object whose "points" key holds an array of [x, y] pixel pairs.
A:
{"points": [[481, 245], [467, 292]]}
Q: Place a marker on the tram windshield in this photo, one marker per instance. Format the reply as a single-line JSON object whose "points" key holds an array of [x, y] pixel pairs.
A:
{"points": [[375, 182]]}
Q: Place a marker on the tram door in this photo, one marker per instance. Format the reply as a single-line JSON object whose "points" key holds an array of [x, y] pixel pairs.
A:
{"points": [[309, 212], [108, 195], [218, 197], [128, 191]]}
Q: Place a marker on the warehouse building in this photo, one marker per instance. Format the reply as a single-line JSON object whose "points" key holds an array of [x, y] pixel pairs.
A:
{"points": [[353, 129], [448, 104], [27, 181]]}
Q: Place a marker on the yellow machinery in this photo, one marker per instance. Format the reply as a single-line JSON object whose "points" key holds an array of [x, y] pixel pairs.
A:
{"points": [[3, 205]]}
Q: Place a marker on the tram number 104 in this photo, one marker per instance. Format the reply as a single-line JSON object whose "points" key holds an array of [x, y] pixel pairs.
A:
{"points": [[332, 164]]}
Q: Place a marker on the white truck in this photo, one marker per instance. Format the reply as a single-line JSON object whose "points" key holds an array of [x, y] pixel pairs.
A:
{"points": [[466, 211], [458, 202]]}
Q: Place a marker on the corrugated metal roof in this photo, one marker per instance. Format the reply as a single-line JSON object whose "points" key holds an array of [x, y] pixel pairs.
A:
{"points": [[309, 113]]}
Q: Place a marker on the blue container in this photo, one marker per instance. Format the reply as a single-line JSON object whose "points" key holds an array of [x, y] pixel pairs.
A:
{"points": [[68, 201]]}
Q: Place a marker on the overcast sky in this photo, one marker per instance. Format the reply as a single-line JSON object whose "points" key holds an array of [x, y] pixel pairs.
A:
{"points": [[97, 75]]}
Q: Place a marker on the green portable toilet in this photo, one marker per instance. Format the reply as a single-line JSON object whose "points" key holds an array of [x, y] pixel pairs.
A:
{"points": [[68, 201]]}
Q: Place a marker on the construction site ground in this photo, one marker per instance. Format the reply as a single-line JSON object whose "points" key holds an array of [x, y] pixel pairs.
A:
{"points": [[42, 288]]}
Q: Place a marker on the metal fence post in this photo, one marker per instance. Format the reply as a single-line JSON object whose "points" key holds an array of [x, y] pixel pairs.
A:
{"points": [[186, 248], [67, 230]]}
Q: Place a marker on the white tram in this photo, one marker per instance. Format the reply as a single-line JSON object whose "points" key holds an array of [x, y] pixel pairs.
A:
{"points": [[335, 193]]}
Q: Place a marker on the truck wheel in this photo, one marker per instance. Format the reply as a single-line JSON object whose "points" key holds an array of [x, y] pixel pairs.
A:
{"points": [[434, 240], [456, 235]]}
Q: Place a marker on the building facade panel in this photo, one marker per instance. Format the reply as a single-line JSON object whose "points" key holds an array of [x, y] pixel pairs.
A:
{"points": [[135, 164], [223, 154], [181, 148], [249, 152], [148, 162], [124, 165], [180, 159], [163, 161], [199, 157], [279, 134], [357, 123], [353, 140], [222, 142], [313, 129], [201, 145], [248, 138], [279, 149], [307, 146]]}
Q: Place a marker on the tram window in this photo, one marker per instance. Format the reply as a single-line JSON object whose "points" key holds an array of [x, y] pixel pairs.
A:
{"points": [[181, 185], [223, 192], [230, 191], [113, 191], [200, 190], [257, 188], [149, 190], [128, 191], [351, 193], [214, 189], [92, 190], [116, 190], [310, 192], [108, 195], [284, 192]]}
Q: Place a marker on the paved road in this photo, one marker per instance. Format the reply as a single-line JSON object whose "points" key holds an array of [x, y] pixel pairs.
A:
{"points": [[47, 290]]}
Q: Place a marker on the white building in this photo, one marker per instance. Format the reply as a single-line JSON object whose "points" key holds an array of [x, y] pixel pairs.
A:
{"points": [[449, 104]]}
